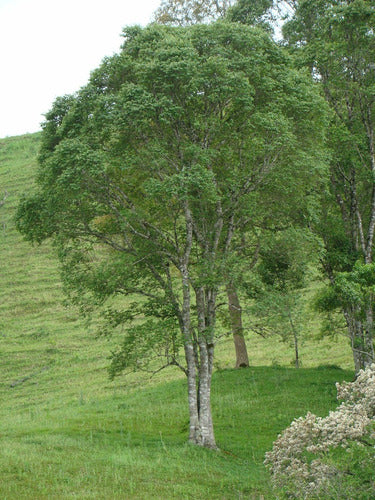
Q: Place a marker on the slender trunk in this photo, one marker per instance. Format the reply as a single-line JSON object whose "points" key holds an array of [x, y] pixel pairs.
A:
{"points": [[207, 437], [296, 351], [368, 340], [199, 348], [190, 360], [371, 226], [190, 351], [211, 320], [360, 329], [357, 339], [235, 313], [295, 341], [369, 328]]}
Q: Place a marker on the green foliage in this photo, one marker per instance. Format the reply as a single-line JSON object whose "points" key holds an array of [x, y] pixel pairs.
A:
{"points": [[356, 465], [284, 260], [189, 184], [280, 304], [353, 288], [341, 253], [335, 40], [145, 344], [212, 118]]}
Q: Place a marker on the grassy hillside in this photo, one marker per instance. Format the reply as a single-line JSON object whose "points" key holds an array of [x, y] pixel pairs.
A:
{"points": [[66, 431]]}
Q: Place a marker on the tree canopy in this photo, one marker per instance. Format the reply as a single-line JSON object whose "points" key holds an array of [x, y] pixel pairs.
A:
{"points": [[150, 174]]}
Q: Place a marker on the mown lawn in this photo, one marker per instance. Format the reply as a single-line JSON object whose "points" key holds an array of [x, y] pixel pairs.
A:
{"points": [[132, 444]]}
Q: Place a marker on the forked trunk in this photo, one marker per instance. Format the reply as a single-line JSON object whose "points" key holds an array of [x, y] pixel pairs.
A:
{"points": [[206, 437], [199, 350], [190, 358], [206, 317], [235, 313], [201, 430], [199, 361]]}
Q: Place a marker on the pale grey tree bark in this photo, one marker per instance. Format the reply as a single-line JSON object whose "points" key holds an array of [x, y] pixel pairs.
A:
{"points": [[199, 348]]}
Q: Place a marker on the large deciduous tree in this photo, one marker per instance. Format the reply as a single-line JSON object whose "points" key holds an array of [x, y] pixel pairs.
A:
{"points": [[151, 173], [336, 41]]}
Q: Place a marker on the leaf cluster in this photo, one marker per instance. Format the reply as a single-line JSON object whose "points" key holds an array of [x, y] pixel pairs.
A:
{"points": [[352, 289]]}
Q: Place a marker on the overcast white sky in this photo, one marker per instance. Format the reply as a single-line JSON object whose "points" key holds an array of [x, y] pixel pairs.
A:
{"points": [[49, 47]]}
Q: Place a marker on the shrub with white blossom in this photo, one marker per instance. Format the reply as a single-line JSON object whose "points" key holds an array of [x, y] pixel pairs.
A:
{"points": [[333, 456]]}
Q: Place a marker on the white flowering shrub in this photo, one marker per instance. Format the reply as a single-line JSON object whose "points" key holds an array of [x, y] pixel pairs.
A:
{"points": [[334, 456]]}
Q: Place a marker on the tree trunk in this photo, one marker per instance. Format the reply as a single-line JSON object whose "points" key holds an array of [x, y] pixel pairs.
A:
{"points": [[206, 315], [369, 343], [199, 349], [295, 339], [235, 312], [357, 339], [190, 359], [296, 350]]}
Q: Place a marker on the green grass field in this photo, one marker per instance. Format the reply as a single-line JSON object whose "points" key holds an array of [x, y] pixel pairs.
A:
{"points": [[68, 432]]}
